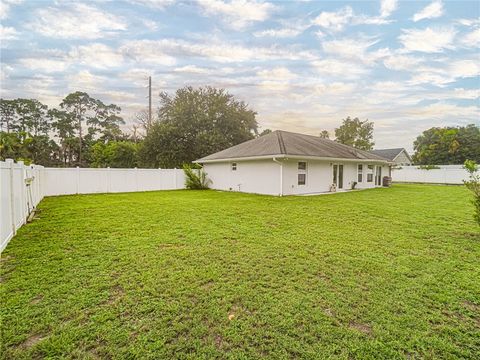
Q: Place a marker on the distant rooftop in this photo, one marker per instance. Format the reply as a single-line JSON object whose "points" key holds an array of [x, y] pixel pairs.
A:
{"points": [[389, 154], [280, 143]]}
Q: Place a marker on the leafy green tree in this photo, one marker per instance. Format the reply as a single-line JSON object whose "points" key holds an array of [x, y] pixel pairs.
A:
{"points": [[194, 123], [265, 132], [356, 133], [447, 145], [7, 114], [114, 154], [473, 184], [64, 124], [101, 121]]}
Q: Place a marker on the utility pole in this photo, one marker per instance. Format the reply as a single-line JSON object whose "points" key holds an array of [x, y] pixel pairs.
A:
{"points": [[149, 102]]}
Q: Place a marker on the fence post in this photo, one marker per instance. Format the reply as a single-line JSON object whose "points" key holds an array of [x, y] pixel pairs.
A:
{"points": [[12, 198], [108, 179], [136, 179], [78, 180], [23, 193], [175, 178]]}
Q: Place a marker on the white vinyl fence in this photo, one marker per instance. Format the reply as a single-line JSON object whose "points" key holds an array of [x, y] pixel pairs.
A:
{"points": [[21, 190], [445, 174], [22, 187]]}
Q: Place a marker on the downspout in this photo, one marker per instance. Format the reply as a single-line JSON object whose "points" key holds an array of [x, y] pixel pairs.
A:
{"points": [[281, 175]]}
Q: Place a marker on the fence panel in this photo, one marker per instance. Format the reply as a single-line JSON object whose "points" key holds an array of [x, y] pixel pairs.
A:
{"points": [[444, 174], [21, 191]]}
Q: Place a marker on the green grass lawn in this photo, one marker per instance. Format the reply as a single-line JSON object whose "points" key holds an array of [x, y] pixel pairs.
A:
{"points": [[384, 273]]}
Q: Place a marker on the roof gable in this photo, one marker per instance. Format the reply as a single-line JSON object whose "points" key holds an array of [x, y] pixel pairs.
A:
{"points": [[281, 143], [390, 154]]}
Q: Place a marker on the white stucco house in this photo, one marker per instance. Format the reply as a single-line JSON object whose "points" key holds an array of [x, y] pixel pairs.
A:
{"points": [[398, 156], [286, 163]]}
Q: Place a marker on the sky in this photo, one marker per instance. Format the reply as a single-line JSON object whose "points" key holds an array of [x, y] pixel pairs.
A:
{"points": [[303, 66]]}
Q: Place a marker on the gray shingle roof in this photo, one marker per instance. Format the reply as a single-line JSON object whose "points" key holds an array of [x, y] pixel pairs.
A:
{"points": [[280, 143], [389, 154]]}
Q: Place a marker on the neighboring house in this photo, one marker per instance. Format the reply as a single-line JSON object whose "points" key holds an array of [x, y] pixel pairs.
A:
{"points": [[285, 163], [398, 156]]}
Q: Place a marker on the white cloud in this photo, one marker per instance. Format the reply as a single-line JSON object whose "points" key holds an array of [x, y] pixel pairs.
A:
{"points": [[5, 6], [280, 33], [433, 10], [444, 74], [148, 51], [278, 73], [96, 55], [191, 69], [77, 21], [472, 39], [334, 21], [153, 4], [340, 68], [402, 62], [8, 33], [387, 7], [355, 49], [238, 13], [464, 68], [44, 64], [428, 40], [167, 50]]}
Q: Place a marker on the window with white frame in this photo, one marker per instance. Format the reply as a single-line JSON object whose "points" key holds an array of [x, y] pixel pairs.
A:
{"points": [[370, 173], [234, 166], [360, 173], [302, 173]]}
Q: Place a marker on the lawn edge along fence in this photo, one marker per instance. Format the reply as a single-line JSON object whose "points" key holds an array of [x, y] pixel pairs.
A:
{"points": [[23, 187]]}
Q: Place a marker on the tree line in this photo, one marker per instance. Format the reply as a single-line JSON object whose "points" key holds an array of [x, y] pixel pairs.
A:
{"points": [[187, 125]]}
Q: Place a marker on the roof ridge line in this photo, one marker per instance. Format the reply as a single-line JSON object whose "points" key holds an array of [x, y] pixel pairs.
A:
{"points": [[281, 144]]}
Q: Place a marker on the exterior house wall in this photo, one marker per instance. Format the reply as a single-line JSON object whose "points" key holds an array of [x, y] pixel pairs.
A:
{"points": [[402, 159], [263, 176], [256, 176], [320, 176]]}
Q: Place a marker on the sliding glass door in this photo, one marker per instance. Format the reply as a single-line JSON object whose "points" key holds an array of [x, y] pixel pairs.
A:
{"points": [[338, 175]]}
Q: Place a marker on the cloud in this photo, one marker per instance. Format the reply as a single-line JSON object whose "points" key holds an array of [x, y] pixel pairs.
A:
{"points": [[387, 7], [276, 79], [444, 74], [8, 33], [153, 4], [238, 14], [76, 21], [355, 49], [191, 69], [280, 33], [428, 40], [434, 10], [166, 51], [472, 39], [5, 6], [44, 64], [334, 21], [96, 55], [402, 62], [340, 68]]}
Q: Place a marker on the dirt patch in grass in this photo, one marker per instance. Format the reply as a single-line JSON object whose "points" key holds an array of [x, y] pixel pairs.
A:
{"points": [[361, 327], [36, 299], [32, 341]]}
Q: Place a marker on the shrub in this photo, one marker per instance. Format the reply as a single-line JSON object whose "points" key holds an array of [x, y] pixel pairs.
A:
{"points": [[474, 186], [195, 179]]}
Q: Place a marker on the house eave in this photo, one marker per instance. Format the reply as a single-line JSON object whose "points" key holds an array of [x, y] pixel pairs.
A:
{"points": [[287, 157]]}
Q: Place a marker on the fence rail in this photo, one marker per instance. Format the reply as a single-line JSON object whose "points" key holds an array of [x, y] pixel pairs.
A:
{"points": [[23, 187], [442, 174]]}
